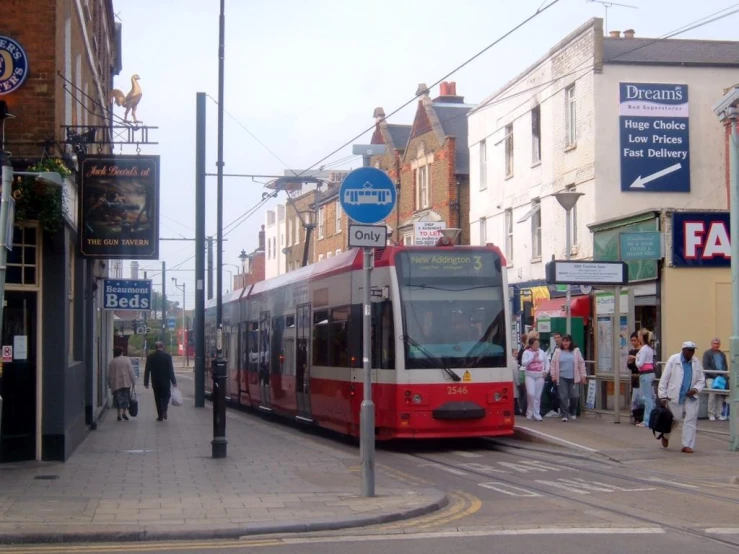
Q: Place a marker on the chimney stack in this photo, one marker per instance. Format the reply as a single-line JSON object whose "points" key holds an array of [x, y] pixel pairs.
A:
{"points": [[378, 114], [444, 89], [422, 91], [452, 88], [629, 33], [261, 239], [615, 34]]}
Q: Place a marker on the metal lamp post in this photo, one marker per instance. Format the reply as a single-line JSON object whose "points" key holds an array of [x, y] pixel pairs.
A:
{"points": [[568, 199], [727, 111]]}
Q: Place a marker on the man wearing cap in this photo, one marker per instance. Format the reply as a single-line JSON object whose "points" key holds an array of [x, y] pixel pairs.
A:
{"points": [[679, 388]]}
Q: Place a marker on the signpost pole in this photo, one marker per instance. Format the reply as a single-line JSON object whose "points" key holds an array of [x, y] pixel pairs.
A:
{"points": [[568, 256], [199, 319], [367, 413], [616, 354], [367, 196]]}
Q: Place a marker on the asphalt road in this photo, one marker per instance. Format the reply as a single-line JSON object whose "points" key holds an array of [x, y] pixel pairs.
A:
{"points": [[512, 500]]}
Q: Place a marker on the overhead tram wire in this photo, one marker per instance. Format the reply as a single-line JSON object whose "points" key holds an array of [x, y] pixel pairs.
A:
{"points": [[581, 67], [508, 33]]}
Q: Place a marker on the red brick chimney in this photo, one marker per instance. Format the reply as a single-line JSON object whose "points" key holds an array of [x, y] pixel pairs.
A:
{"points": [[448, 93], [629, 33], [261, 239]]}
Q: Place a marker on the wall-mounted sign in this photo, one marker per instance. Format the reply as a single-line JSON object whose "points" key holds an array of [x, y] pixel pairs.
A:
{"points": [[119, 207], [13, 65], [427, 233], [126, 294], [640, 246], [701, 239], [655, 148]]}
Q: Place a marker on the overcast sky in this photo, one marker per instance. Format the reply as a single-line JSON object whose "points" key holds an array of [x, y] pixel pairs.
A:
{"points": [[304, 76]]}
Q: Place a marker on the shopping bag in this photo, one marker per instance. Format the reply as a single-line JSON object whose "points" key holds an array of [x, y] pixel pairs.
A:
{"points": [[133, 404], [176, 397]]}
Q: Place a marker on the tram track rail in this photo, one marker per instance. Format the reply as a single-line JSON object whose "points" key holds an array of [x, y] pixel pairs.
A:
{"points": [[546, 492], [692, 486]]}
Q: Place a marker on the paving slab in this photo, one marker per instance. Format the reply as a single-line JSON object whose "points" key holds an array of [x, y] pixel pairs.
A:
{"points": [[147, 480]]}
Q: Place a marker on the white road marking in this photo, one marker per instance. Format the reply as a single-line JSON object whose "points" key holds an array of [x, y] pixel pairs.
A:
{"points": [[464, 454], [723, 530], [520, 467], [659, 480], [510, 490], [482, 468], [442, 467], [481, 533], [554, 439], [581, 486]]}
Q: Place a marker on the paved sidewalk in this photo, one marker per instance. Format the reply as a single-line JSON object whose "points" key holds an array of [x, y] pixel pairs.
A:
{"points": [[147, 480], [596, 436]]}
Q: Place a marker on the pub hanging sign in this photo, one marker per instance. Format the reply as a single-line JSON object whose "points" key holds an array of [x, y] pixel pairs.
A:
{"points": [[119, 207]]}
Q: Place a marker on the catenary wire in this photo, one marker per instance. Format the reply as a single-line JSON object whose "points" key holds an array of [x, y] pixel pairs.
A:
{"points": [[538, 12]]}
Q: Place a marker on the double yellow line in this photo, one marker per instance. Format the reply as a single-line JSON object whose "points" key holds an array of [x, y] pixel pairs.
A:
{"points": [[134, 547]]}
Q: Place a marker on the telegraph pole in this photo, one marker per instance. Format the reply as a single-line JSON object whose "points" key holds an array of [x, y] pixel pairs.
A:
{"points": [[199, 326], [220, 371]]}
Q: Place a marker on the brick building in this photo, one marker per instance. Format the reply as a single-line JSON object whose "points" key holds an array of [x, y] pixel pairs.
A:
{"points": [[434, 164], [331, 226], [301, 211], [253, 268], [54, 388]]}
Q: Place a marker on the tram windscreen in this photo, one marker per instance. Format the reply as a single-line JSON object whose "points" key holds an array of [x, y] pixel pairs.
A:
{"points": [[453, 306]]}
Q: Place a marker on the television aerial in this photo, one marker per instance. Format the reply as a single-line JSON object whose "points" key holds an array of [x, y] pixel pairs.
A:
{"points": [[606, 4]]}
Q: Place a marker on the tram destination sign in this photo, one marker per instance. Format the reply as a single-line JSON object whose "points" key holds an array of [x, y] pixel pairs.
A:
{"points": [[415, 266], [126, 294], [587, 273]]}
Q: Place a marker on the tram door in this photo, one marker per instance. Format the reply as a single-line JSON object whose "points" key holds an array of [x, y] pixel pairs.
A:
{"points": [[302, 360], [265, 329]]}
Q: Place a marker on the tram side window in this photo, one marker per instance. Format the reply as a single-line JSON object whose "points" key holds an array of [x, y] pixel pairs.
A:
{"points": [[253, 346], [243, 347], [278, 328], [320, 338], [339, 336], [383, 335]]}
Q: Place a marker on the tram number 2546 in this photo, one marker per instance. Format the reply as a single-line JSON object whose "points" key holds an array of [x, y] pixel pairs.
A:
{"points": [[454, 390]]}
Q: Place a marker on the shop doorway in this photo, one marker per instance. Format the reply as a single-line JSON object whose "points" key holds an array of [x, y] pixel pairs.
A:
{"points": [[18, 381]]}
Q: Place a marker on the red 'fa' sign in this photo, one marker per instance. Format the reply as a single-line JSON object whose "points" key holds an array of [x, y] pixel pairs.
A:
{"points": [[7, 353]]}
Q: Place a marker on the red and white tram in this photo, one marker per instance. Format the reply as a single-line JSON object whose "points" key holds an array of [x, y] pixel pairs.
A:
{"points": [[439, 343]]}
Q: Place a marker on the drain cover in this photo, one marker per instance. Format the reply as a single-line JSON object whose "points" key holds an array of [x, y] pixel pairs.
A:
{"points": [[46, 477]]}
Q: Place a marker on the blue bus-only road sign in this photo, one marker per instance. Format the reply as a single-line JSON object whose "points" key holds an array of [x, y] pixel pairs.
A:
{"points": [[171, 323], [367, 195], [655, 128]]}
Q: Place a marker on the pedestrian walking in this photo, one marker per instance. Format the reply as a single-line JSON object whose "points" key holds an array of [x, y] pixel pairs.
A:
{"points": [[121, 378], [637, 401], [645, 364], [159, 366], [536, 367], [568, 372], [550, 398], [715, 360], [520, 381], [679, 389]]}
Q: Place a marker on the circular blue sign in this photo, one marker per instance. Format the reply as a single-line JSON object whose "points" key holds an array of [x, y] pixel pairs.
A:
{"points": [[13, 65], [367, 195]]}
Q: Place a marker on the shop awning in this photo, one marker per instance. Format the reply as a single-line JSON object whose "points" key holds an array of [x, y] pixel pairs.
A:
{"points": [[555, 307]]}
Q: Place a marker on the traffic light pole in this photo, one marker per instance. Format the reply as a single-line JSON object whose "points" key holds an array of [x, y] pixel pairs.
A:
{"points": [[199, 323]]}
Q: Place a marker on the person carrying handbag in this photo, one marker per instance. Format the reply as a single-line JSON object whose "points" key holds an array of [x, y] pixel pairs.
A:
{"points": [[568, 372], [121, 378]]}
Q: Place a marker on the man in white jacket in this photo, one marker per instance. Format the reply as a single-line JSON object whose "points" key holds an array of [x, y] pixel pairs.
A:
{"points": [[679, 388]]}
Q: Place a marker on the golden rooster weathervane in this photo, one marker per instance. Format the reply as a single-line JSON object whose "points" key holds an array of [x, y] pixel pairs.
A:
{"points": [[130, 101]]}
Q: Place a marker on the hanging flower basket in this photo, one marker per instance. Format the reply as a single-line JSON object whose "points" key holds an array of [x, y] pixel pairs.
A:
{"points": [[35, 201]]}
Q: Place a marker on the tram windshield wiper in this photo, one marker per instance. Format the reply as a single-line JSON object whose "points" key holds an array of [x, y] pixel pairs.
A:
{"points": [[434, 360]]}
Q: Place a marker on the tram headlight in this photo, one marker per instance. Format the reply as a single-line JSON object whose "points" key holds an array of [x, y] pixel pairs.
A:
{"points": [[417, 399]]}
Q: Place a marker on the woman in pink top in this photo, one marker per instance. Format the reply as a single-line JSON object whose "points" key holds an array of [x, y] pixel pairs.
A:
{"points": [[568, 371]]}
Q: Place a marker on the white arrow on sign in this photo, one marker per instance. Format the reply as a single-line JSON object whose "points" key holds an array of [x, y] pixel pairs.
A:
{"points": [[641, 181]]}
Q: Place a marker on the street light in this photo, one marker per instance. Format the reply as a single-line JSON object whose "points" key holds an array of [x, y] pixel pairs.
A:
{"points": [[727, 110], [184, 342], [568, 199]]}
